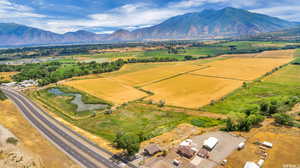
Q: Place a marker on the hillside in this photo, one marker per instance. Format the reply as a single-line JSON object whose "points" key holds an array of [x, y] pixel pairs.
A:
{"points": [[214, 23], [15, 34], [207, 24], [288, 34]]}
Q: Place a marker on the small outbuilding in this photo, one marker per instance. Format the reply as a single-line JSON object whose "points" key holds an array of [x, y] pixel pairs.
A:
{"points": [[251, 165], [210, 143], [241, 145], [267, 144], [186, 151], [152, 149]]}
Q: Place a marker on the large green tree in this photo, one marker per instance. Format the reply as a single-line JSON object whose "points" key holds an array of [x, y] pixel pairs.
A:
{"points": [[128, 141]]}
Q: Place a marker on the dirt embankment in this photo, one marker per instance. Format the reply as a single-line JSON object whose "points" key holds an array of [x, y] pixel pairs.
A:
{"points": [[32, 149], [12, 155]]}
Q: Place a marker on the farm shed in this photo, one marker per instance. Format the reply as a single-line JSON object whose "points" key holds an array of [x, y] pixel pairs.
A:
{"points": [[186, 151], [210, 143], [251, 165], [267, 144], [152, 149]]}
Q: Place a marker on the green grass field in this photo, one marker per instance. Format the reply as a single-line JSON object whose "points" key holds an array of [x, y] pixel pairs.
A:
{"points": [[281, 85], [140, 119]]}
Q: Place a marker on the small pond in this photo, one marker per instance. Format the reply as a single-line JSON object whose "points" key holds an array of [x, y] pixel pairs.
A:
{"points": [[81, 106]]}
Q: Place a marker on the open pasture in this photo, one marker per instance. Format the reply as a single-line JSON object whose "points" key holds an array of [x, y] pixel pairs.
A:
{"points": [[242, 68], [191, 91], [107, 89]]}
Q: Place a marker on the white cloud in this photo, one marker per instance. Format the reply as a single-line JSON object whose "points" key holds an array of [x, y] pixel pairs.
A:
{"points": [[9, 10], [127, 16], [284, 12], [192, 3], [198, 3]]}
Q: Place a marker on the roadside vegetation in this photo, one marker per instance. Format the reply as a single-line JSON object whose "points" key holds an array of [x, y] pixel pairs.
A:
{"points": [[2, 96], [296, 61]]}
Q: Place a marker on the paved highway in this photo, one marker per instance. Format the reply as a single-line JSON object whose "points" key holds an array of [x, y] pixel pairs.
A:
{"points": [[81, 150]]}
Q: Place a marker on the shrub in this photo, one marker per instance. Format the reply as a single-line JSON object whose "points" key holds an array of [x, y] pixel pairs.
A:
{"points": [[108, 111], [2, 96], [270, 107], [242, 122], [252, 109], [283, 119], [161, 103], [12, 140]]}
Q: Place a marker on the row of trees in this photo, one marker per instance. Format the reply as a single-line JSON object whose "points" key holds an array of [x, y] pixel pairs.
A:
{"points": [[32, 52], [52, 72]]}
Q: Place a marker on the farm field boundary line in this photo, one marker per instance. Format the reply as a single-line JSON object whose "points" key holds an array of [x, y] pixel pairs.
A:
{"points": [[210, 76], [173, 76]]}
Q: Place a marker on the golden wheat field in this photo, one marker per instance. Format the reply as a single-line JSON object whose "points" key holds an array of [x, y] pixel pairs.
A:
{"points": [[187, 84], [191, 91], [107, 89], [277, 54], [146, 76], [242, 68]]}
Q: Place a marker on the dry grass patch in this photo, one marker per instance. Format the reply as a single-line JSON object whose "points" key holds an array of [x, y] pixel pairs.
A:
{"points": [[191, 91], [242, 68], [7, 75], [285, 149], [107, 89], [31, 139], [175, 136]]}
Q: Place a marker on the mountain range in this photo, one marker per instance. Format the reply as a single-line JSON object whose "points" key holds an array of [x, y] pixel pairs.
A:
{"points": [[207, 24]]}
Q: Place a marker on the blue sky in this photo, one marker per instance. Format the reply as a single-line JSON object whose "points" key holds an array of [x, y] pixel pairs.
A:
{"points": [[105, 16]]}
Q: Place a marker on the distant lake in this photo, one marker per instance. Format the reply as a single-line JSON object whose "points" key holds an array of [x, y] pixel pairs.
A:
{"points": [[81, 106]]}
